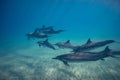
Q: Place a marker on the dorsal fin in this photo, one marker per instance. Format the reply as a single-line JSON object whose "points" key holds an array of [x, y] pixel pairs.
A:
{"points": [[107, 49], [36, 30], [46, 40], [88, 41], [68, 41], [66, 63]]}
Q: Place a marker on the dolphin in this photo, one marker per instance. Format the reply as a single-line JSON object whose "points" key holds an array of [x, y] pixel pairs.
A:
{"points": [[89, 45], [52, 31], [36, 35], [46, 43], [83, 56], [44, 28], [66, 44]]}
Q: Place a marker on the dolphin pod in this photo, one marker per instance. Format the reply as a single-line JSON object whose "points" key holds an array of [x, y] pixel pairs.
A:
{"points": [[43, 32], [80, 53], [48, 30], [89, 45]]}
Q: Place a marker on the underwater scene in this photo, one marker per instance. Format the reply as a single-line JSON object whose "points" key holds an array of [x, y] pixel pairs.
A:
{"points": [[60, 40]]}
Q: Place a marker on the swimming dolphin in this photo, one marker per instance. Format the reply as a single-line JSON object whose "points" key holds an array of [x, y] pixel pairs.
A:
{"points": [[83, 56], [36, 35], [52, 31], [66, 44], [46, 43], [44, 28], [89, 45]]}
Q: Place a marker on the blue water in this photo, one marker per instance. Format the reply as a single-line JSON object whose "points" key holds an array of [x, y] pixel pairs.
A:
{"points": [[81, 19]]}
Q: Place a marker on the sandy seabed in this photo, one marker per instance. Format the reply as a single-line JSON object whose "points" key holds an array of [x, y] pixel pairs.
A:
{"points": [[34, 63]]}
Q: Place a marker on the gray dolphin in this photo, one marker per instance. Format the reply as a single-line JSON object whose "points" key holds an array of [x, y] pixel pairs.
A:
{"points": [[46, 43], [44, 28], [66, 44], [52, 31], [36, 35], [84, 56], [89, 45]]}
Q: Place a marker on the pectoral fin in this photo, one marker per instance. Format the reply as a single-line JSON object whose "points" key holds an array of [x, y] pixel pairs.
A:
{"points": [[66, 63]]}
